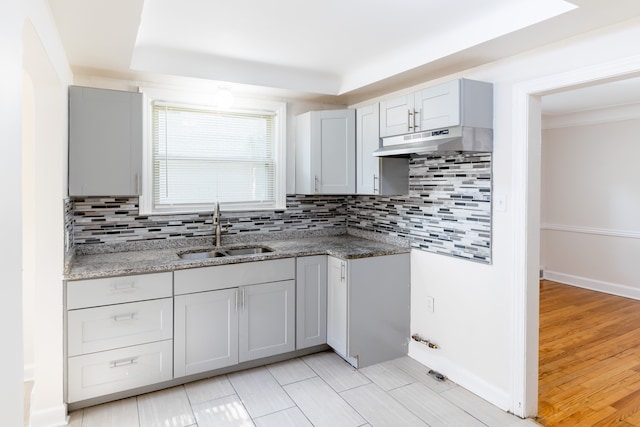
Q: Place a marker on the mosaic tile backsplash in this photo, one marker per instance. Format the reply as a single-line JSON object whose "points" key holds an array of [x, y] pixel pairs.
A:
{"points": [[117, 220], [447, 211]]}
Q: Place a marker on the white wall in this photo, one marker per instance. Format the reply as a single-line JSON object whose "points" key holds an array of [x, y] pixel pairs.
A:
{"points": [[11, 21], [21, 24], [28, 230], [590, 202], [476, 316]]}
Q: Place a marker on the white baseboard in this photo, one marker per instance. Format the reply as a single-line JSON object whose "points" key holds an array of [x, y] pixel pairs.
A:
{"points": [[50, 417], [460, 376], [594, 285], [29, 372]]}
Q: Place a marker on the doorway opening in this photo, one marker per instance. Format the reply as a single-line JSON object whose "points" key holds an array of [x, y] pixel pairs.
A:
{"points": [[527, 159]]}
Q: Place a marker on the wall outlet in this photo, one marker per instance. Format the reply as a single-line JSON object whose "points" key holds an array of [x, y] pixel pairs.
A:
{"points": [[430, 303]]}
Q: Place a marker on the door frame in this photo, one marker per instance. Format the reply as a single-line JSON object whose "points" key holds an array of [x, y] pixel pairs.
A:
{"points": [[526, 167]]}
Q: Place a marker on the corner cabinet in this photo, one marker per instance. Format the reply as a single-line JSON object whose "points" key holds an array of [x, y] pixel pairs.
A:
{"points": [[325, 152], [233, 313], [105, 142], [460, 102], [368, 308], [377, 175]]}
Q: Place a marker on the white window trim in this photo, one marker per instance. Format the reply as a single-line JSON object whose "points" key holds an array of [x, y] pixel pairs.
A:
{"points": [[206, 100]]}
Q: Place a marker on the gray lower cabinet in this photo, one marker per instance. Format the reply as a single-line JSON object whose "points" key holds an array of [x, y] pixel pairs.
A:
{"points": [[119, 334], [233, 313], [206, 331], [266, 320], [105, 142], [368, 308], [311, 301]]}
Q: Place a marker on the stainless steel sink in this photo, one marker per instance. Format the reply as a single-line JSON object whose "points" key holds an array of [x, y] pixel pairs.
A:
{"points": [[204, 254], [221, 252], [248, 251]]}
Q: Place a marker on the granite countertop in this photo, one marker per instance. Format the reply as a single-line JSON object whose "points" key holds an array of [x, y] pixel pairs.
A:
{"points": [[157, 260]]}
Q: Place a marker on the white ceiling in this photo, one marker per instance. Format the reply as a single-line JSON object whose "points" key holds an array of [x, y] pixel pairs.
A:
{"points": [[346, 50]]}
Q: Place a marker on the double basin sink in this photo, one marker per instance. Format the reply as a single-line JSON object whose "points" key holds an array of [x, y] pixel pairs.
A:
{"points": [[224, 252]]}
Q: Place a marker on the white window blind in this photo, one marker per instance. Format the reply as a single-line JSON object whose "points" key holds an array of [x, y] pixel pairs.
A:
{"points": [[202, 156]]}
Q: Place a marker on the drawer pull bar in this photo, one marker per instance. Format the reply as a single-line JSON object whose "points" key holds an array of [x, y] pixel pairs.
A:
{"points": [[122, 317], [123, 286], [123, 362]]}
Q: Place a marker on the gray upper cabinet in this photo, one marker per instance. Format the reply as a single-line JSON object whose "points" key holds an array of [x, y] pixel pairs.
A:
{"points": [[396, 116], [105, 142], [377, 175], [460, 102], [326, 152]]}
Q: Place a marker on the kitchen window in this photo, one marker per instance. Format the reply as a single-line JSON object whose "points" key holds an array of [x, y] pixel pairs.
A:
{"points": [[196, 156]]}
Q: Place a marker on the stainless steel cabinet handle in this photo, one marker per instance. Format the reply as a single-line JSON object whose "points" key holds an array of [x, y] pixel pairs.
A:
{"points": [[123, 286], [123, 362], [316, 182], [122, 317], [410, 120], [342, 271], [415, 115], [375, 180]]}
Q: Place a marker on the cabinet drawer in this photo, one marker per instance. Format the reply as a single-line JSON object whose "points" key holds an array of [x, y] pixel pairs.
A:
{"points": [[112, 371], [233, 275], [121, 325], [116, 290]]}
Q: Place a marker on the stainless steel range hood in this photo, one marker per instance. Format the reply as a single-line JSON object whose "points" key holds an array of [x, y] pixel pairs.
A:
{"points": [[439, 141]]}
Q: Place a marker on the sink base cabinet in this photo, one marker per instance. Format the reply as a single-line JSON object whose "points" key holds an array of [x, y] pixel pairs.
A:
{"points": [[368, 308], [206, 331], [254, 317], [267, 320]]}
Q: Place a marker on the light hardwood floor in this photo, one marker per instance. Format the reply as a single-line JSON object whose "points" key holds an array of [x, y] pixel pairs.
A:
{"points": [[316, 390], [589, 365]]}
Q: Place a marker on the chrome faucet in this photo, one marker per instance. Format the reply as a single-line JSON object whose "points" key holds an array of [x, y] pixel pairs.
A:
{"points": [[216, 224]]}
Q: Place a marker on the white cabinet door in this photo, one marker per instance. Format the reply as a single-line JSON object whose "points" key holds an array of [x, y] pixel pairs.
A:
{"points": [[326, 152], [205, 331], [266, 320], [337, 154], [337, 305], [311, 301], [105, 142], [438, 106], [396, 116], [367, 141], [377, 175]]}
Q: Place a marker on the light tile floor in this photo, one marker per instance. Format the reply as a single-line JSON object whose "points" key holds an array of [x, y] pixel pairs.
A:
{"points": [[316, 390]]}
